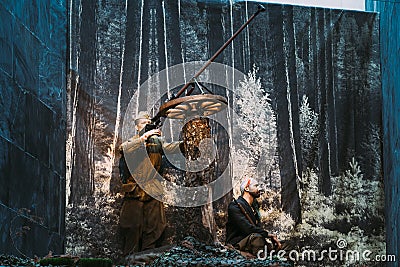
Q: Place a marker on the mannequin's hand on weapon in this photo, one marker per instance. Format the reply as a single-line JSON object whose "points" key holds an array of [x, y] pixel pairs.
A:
{"points": [[275, 241], [150, 133], [128, 187]]}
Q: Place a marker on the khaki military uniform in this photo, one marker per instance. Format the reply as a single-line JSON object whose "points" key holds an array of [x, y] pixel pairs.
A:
{"points": [[142, 218]]}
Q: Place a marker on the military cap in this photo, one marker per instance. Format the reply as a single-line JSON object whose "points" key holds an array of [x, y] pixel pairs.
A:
{"points": [[142, 115]]}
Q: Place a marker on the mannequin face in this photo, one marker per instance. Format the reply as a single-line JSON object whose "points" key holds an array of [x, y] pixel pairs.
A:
{"points": [[140, 124], [253, 189]]}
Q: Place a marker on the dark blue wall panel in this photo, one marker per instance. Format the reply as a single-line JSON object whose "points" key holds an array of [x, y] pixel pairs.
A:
{"points": [[32, 126], [390, 58]]}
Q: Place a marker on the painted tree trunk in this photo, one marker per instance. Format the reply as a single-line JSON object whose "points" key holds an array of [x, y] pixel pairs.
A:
{"points": [[290, 59], [290, 198], [194, 132], [83, 167], [323, 152]]}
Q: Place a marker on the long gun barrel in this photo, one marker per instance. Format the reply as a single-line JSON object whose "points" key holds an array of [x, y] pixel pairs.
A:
{"points": [[260, 9]]}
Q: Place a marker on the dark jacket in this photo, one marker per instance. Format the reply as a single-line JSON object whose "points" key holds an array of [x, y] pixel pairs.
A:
{"points": [[238, 226]]}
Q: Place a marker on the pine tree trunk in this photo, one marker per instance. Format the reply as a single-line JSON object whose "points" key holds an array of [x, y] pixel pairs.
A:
{"points": [[292, 82], [289, 191], [174, 36], [144, 53], [82, 177], [323, 160], [330, 98]]}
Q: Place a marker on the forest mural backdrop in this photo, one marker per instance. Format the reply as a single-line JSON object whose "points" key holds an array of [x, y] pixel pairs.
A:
{"points": [[309, 107]]}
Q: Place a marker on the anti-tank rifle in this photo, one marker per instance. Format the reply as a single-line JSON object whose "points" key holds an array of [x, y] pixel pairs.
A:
{"points": [[165, 109]]}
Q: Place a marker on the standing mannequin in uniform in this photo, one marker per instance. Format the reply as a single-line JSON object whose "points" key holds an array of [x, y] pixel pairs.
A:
{"points": [[142, 218]]}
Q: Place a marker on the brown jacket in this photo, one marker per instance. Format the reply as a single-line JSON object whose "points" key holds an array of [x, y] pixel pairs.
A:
{"points": [[144, 168]]}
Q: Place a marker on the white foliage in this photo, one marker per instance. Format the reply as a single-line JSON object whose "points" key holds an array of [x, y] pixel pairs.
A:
{"points": [[308, 131], [241, 160], [360, 197], [274, 219], [349, 189], [256, 123], [316, 208], [92, 227], [285, 224], [373, 146]]}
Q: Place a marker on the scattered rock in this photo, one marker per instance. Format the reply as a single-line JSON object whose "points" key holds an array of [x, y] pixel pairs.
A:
{"points": [[9, 260], [191, 252]]}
